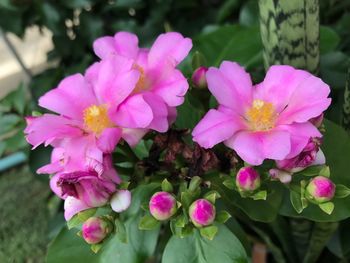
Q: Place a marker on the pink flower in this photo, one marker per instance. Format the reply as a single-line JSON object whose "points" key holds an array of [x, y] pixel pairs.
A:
{"points": [[310, 155], [85, 188], [320, 189], [202, 213], [84, 126], [198, 77], [162, 205], [248, 179], [267, 121], [96, 229], [160, 86]]}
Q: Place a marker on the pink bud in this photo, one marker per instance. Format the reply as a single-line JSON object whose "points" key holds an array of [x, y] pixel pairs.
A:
{"points": [[317, 121], [310, 155], [320, 189], [248, 179], [198, 77], [202, 213], [162, 205], [95, 229]]}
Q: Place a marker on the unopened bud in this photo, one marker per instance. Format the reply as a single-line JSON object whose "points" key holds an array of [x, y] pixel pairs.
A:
{"points": [[248, 179], [202, 213], [198, 77], [320, 189], [96, 229], [162, 205]]}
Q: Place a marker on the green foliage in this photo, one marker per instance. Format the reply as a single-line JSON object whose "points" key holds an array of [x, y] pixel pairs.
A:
{"points": [[197, 249]]}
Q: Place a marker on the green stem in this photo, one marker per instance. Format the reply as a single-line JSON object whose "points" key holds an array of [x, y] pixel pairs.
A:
{"points": [[290, 33]]}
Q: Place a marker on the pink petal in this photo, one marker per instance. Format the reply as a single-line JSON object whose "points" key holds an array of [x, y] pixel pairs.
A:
{"points": [[216, 127], [121, 201], [109, 174], [53, 185], [126, 44], [255, 147], [279, 84], [172, 87], [172, 113], [109, 139], [49, 127], [160, 112], [72, 96], [104, 47], [73, 206], [115, 80], [133, 136], [57, 162], [231, 86], [171, 46], [133, 113], [309, 100], [300, 134]]}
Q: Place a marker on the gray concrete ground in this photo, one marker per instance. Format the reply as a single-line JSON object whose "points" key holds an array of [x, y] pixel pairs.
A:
{"points": [[32, 49]]}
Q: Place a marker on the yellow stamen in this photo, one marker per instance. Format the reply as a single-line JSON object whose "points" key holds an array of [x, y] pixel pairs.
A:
{"points": [[141, 83], [96, 119], [261, 116]]}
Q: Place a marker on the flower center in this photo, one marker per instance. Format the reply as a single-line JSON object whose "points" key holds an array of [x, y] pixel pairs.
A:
{"points": [[141, 83], [261, 116], [96, 119]]}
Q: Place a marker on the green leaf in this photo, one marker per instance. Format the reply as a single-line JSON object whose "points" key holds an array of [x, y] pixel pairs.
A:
{"points": [[295, 199], [8, 122], [96, 247], [166, 186], [325, 172], [327, 207], [209, 232], [198, 60], [119, 229], [336, 147], [189, 113], [186, 199], [261, 195], [222, 217], [181, 221], [329, 39], [194, 183], [148, 222], [230, 183], [341, 191], [224, 248], [234, 43], [211, 196], [249, 14], [311, 171], [141, 150]]}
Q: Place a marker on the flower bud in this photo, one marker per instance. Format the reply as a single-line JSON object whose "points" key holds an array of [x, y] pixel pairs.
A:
{"points": [[320, 189], [248, 179], [198, 77], [162, 205], [310, 155], [202, 213], [317, 121], [95, 229], [121, 200]]}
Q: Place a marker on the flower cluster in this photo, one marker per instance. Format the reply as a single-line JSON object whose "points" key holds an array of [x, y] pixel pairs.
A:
{"points": [[128, 92]]}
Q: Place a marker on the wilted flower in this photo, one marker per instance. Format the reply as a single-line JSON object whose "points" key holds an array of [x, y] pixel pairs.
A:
{"points": [[202, 213], [248, 179], [160, 86], [267, 121], [162, 205], [310, 155], [320, 189], [86, 188], [198, 77], [95, 230]]}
